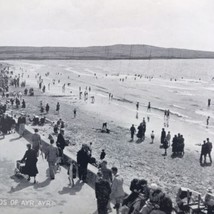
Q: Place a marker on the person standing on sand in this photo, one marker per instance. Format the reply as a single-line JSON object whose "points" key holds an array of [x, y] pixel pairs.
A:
{"points": [[57, 107], [47, 108], [203, 153], [149, 107], [75, 112], [23, 104], [102, 154], [209, 149], [208, 121], [152, 137], [52, 155], [137, 106], [168, 138], [132, 130], [163, 135], [209, 102]]}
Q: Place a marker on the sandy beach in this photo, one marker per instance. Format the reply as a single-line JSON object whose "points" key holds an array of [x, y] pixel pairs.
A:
{"points": [[186, 98]]}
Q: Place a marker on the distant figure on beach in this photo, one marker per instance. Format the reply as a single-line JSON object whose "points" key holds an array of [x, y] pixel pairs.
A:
{"points": [[137, 106], [57, 107], [149, 107], [152, 137], [49, 86], [109, 96], [25, 91], [43, 89], [63, 88], [163, 135], [209, 149], [209, 102], [89, 89], [165, 146], [102, 154], [168, 138], [75, 112], [203, 153], [140, 133], [42, 110], [132, 130], [47, 108], [23, 104], [208, 121]]}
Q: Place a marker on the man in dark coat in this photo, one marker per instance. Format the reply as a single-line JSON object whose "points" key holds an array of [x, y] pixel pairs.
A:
{"points": [[163, 136], [209, 149], [83, 158], [140, 131], [30, 159], [102, 192], [61, 144], [203, 152]]}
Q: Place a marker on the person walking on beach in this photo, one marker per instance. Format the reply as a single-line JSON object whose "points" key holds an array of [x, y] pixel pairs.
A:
{"points": [[57, 107], [208, 121], [209, 102], [36, 141], [102, 192], [137, 106], [47, 108], [152, 137], [132, 130], [149, 107], [30, 159], [102, 154], [117, 192], [75, 112], [52, 155]]}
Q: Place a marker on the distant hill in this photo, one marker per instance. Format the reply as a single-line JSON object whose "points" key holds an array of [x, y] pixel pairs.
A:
{"points": [[101, 52]]}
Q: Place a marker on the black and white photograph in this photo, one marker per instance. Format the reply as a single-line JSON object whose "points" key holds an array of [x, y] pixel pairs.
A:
{"points": [[106, 106]]}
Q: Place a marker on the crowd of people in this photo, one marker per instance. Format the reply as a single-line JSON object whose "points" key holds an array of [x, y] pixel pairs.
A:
{"points": [[144, 198]]}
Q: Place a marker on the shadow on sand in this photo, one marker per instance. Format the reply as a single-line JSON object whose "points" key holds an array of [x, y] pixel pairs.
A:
{"points": [[205, 164], [22, 183], [72, 190]]}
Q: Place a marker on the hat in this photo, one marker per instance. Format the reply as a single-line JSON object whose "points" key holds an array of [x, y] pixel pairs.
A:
{"points": [[154, 186]]}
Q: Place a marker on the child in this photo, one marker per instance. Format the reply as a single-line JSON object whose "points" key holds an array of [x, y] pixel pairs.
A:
{"points": [[71, 173]]}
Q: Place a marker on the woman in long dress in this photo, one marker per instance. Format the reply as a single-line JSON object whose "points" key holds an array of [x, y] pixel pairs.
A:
{"points": [[30, 159]]}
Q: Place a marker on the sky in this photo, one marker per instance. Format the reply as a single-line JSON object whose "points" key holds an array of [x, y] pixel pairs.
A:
{"points": [[166, 23]]}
